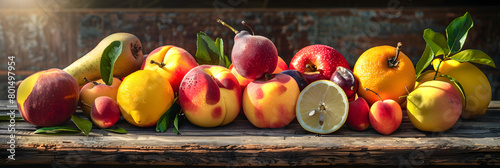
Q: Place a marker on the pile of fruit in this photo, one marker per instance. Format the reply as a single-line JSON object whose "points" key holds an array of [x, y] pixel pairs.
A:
{"points": [[318, 87]]}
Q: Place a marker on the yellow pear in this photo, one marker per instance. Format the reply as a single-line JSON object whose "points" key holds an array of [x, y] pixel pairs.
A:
{"points": [[88, 66]]}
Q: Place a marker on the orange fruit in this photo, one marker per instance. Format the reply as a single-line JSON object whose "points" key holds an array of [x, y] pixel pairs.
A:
{"points": [[374, 71]]}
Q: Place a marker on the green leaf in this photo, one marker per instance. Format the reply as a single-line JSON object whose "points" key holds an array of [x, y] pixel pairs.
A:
{"points": [[459, 86], [84, 125], [476, 56], [219, 43], [424, 60], [436, 42], [176, 125], [457, 32], [164, 121], [7, 118], [108, 59], [228, 63], [54, 130], [206, 50], [117, 130]]}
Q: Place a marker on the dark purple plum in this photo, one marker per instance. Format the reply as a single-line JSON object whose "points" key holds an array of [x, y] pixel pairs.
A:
{"points": [[299, 77], [346, 80]]}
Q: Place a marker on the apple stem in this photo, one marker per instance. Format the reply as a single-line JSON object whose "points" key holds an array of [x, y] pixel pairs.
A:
{"points": [[243, 22], [393, 62], [311, 68], [375, 93], [229, 26], [157, 63]]}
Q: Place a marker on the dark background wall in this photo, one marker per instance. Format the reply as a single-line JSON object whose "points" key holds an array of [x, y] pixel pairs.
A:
{"points": [[54, 33]]}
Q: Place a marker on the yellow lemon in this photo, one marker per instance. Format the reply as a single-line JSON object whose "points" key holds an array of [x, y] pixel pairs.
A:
{"points": [[143, 97], [322, 107], [476, 86]]}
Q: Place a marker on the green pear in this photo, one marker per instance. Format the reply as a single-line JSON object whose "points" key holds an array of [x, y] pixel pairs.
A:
{"points": [[88, 66]]}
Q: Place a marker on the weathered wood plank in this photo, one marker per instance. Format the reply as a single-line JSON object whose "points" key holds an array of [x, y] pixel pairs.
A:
{"points": [[472, 142]]}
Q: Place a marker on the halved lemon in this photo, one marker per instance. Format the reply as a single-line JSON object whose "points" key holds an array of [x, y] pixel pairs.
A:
{"points": [[322, 107]]}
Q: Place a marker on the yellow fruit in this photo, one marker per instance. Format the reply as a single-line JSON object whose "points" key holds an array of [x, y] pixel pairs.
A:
{"points": [[434, 106], [476, 86], [322, 107], [373, 71], [143, 97]]}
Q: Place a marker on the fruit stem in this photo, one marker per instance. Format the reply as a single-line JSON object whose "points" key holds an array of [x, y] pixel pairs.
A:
{"points": [[229, 26], [437, 69], [243, 22], [157, 63], [393, 61], [312, 68], [375, 93], [268, 76]]}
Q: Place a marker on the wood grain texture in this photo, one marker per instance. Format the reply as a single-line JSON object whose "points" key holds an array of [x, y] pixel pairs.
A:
{"points": [[470, 142]]}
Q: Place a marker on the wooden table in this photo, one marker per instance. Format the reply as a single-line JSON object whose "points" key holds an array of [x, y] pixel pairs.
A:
{"points": [[470, 142]]}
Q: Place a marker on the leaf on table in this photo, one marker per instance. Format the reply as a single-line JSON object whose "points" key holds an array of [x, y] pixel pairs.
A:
{"points": [[424, 60], [8, 118], [457, 32], [55, 130], [117, 130], [476, 56], [108, 59], [164, 121], [176, 125], [84, 125], [436, 42]]}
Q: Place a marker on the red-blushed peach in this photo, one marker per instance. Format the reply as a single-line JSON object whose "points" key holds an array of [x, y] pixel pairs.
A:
{"points": [[210, 96], [48, 98], [269, 102], [385, 116], [92, 90], [245, 81], [171, 62], [105, 112], [281, 66]]}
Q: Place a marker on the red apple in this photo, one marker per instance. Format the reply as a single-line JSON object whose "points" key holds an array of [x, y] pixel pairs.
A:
{"points": [[105, 112], [346, 80], [358, 117], [317, 62]]}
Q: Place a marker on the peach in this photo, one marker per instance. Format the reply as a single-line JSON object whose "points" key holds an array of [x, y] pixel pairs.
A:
{"points": [[171, 62], [210, 96], [281, 66], [385, 116], [48, 98], [92, 90], [105, 112], [245, 81], [269, 102]]}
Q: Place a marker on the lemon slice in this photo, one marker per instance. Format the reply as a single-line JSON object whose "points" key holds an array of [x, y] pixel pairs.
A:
{"points": [[322, 107]]}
